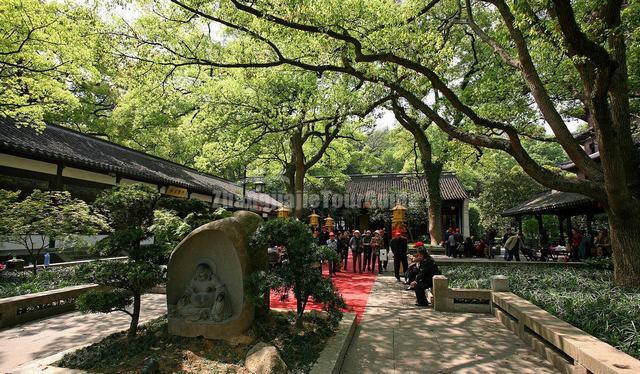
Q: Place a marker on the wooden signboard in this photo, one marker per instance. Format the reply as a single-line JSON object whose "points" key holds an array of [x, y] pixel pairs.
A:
{"points": [[177, 192]]}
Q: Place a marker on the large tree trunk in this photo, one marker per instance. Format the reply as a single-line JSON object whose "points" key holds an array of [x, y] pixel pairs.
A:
{"points": [[299, 171], [619, 161], [432, 171], [433, 174], [34, 261], [625, 233]]}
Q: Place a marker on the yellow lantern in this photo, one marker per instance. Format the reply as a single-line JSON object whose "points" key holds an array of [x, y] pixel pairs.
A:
{"points": [[398, 216], [283, 212], [328, 223], [314, 219]]}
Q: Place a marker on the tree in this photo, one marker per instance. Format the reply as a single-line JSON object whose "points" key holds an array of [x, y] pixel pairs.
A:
{"points": [[130, 210], [567, 56], [301, 273], [432, 170], [168, 229], [52, 66], [124, 282], [44, 216]]}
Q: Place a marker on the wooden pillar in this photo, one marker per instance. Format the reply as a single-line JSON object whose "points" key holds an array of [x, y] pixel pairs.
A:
{"points": [[569, 227], [561, 227], [57, 183], [589, 223], [540, 225], [519, 222]]}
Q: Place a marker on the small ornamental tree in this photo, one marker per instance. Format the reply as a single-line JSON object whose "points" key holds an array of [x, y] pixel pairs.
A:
{"points": [[125, 283], [300, 274], [130, 211], [171, 226], [45, 215]]}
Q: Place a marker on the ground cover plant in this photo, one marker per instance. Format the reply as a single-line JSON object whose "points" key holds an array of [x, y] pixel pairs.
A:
{"points": [[585, 297], [299, 347], [14, 283]]}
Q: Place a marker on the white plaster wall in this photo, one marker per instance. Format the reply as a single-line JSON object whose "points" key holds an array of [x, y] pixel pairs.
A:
{"points": [[27, 164], [131, 181], [197, 196], [85, 240], [88, 176]]}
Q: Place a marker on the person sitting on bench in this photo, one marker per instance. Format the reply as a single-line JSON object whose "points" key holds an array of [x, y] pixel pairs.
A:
{"points": [[424, 279]]}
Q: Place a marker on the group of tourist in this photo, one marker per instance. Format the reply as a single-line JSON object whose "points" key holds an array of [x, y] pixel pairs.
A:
{"points": [[368, 250], [372, 248], [457, 245], [580, 246]]}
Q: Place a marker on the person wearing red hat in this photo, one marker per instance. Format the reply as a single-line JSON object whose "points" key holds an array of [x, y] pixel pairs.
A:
{"points": [[427, 268]]}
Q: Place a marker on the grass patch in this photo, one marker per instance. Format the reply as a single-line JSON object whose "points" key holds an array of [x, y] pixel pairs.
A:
{"points": [[15, 283], [299, 348], [584, 297]]}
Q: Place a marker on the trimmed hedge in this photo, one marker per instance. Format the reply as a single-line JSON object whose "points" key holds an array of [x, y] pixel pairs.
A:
{"points": [[15, 283], [584, 297]]}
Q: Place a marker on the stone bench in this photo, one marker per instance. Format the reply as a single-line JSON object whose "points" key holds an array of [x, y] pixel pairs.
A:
{"points": [[459, 300], [19, 309]]}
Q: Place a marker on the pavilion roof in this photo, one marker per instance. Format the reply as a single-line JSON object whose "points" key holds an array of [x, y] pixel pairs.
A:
{"points": [[362, 184], [58, 144], [551, 202]]}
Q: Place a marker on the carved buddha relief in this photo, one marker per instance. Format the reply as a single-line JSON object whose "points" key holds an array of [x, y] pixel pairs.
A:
{"points": [[205, 297]]}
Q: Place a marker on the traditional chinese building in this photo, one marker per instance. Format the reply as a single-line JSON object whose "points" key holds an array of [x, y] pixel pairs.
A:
{"points": [[57, 158], [369, 192], [564, 205]]}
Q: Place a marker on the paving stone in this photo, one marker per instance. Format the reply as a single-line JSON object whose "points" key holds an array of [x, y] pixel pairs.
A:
{"points": [[42, 338], [397, 337]]}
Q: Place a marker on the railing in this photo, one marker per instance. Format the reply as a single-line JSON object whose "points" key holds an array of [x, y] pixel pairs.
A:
{"points": [[77, 262], [566, 347], [24, 308]]}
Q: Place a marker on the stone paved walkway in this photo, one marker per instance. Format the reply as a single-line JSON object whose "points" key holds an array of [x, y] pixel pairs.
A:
{"points": [[39, 339], [397, 337]]}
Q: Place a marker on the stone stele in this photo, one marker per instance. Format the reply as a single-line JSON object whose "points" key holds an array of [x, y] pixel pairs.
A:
{"points": [[205, 279]]}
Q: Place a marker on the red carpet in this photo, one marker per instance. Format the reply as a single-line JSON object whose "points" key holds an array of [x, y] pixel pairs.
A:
{"points": [[354, 288]]}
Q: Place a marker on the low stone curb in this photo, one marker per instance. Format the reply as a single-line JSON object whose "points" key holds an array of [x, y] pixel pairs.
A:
{"points": [[45, 365], [332, 356]]}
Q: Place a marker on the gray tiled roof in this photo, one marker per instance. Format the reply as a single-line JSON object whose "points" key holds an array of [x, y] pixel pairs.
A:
{"points": [[450, 186], [58, 144], [549, 202]]}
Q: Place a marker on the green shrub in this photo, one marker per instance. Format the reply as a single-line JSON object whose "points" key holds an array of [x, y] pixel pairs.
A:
{"points": [[300, 274], [130, 210], [605, 263], [14, 283]]}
